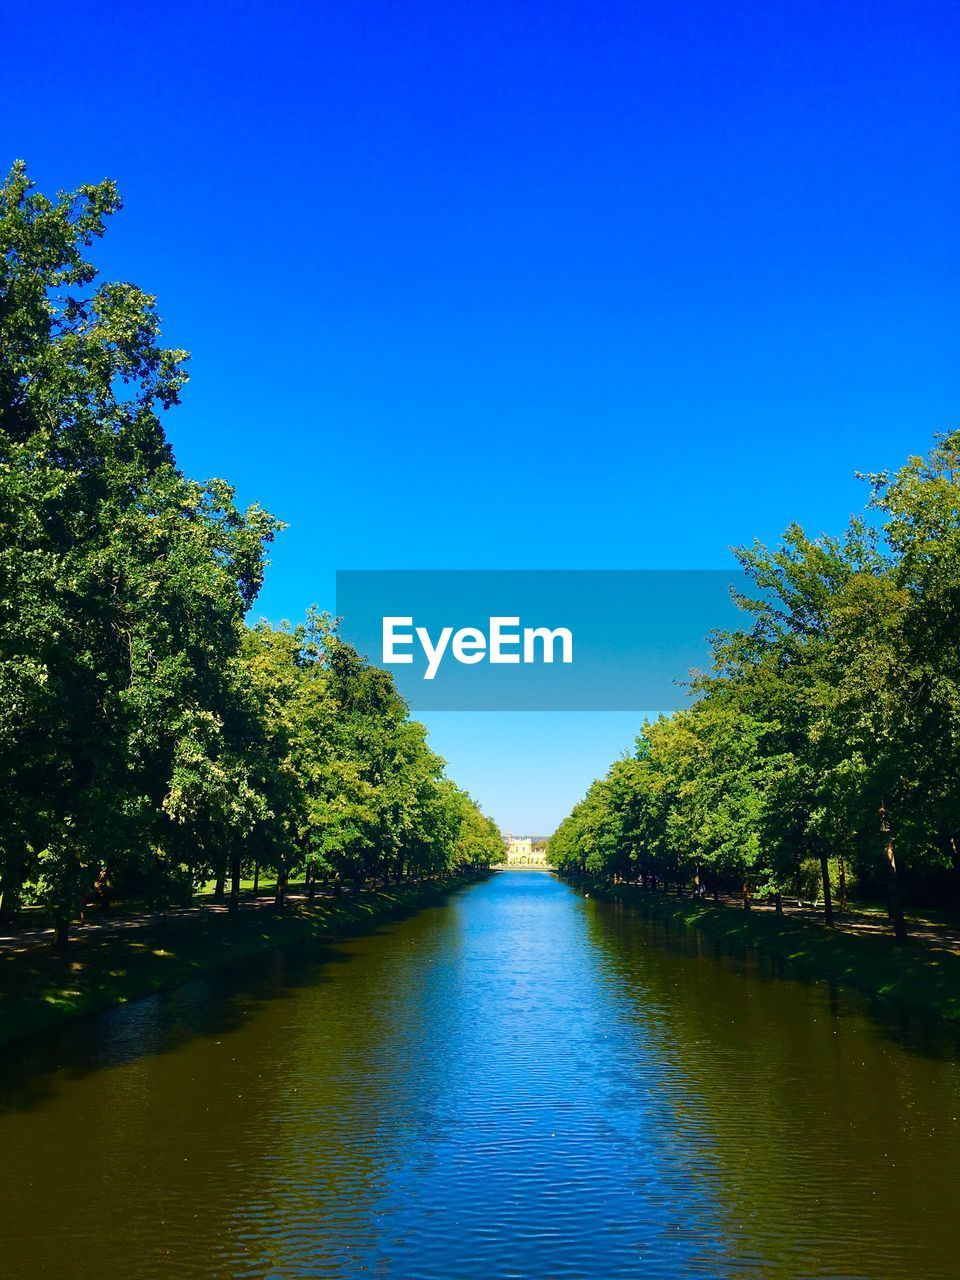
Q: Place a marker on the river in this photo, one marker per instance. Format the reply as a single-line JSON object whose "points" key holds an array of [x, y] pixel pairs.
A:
{"points": [[518, 1082]]}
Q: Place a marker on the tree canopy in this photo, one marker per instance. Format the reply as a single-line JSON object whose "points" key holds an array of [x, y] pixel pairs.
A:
{"points": [[822, 747], [151, 738]]}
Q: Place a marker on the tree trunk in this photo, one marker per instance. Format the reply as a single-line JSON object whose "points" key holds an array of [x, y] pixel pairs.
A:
{"points": [[894, 900], [11, 886], [235, 884], [62, 934], [842, 870], [948, 844], [825, 881], [256, 878], [220, 888]]}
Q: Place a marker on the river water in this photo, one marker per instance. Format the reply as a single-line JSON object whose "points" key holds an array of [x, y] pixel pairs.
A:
{"points": [[519, 1082]]}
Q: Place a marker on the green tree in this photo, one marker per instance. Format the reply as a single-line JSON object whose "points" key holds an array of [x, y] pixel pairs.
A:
{"points": [[123, 584]]}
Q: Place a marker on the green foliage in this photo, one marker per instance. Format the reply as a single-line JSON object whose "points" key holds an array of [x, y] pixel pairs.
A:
{"points": [[151, 738], [826, 733]]}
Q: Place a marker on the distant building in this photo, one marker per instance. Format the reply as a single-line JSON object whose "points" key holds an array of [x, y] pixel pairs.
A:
{"points": [[526, 851]]}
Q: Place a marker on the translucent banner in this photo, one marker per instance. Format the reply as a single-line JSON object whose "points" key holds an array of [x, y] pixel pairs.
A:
{"points": [[538, 640]]}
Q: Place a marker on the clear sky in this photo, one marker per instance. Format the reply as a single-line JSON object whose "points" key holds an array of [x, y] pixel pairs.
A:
{"points": [[522, 285]]}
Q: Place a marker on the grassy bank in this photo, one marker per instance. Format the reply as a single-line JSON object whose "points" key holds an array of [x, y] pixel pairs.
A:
{"points": [[918, 975], [39, 989]]}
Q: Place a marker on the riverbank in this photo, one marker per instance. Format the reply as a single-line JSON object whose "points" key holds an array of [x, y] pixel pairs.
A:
{"points": [[40, 989], [918, 975]]}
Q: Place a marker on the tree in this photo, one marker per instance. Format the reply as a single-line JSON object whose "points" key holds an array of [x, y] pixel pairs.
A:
{"points": [[153, 739], [125, 587], [827, 726]]}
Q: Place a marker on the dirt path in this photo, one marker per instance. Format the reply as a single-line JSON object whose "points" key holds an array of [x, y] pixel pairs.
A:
{"points": [[864, 921]]}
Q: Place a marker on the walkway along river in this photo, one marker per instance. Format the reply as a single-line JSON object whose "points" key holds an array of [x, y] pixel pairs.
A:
{"points": [[519, 1082]]}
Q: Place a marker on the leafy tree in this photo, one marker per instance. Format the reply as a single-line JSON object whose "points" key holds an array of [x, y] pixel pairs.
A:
{"points": [[152, 739], [828, 728]]}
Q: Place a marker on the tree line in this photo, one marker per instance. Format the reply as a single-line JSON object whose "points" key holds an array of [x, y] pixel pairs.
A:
{"points": [[150, 739], [820, 752]]}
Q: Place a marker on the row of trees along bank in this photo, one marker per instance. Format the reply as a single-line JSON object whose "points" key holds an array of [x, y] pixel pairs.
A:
{"points": [[151, 740], [821, 751]]}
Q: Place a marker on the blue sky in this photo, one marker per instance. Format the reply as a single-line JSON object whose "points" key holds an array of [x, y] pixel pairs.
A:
{"points": [[509, 285]]}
